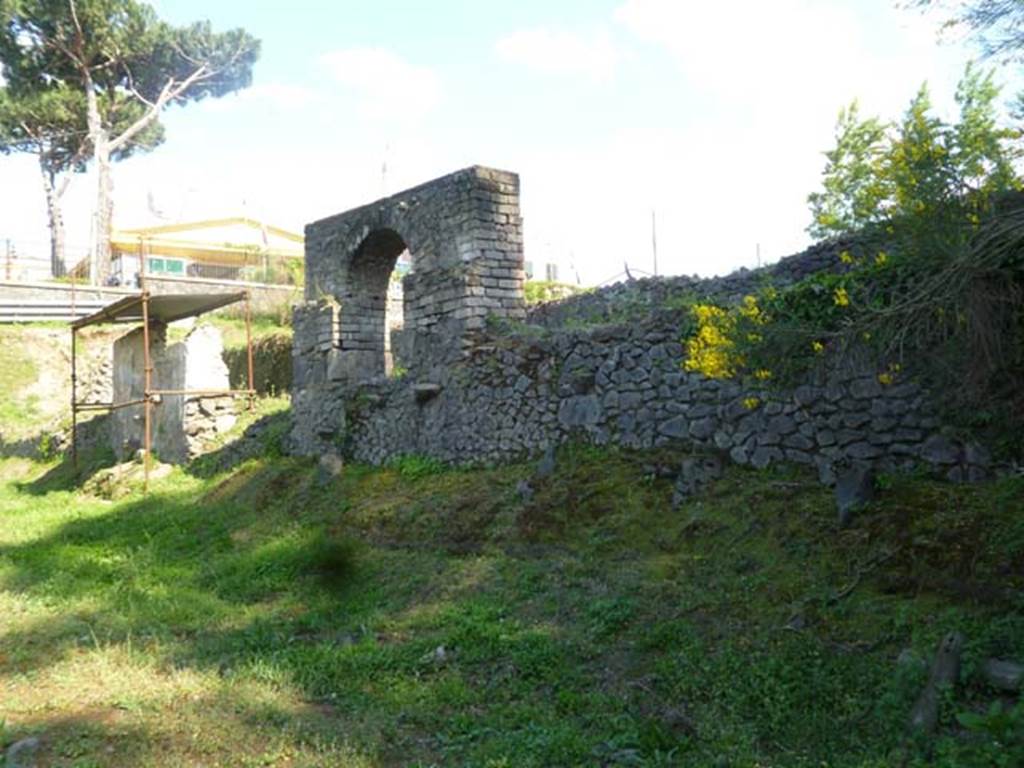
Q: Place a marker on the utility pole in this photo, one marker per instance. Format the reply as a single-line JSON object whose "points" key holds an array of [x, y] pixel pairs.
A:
{"points": [[758, 255], [9, 252], [654, 241]]}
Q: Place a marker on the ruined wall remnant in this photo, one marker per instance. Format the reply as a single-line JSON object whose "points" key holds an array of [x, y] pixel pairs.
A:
{"points": [[464, 234], [624, 385], [181, 427], [604, 367], [126, 424]]}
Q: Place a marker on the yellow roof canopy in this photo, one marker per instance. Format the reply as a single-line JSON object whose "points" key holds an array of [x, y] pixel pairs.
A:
{"points": [[236, 240]]}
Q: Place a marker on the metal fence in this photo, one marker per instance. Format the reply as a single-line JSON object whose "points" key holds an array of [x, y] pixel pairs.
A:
{"points": [[256, 268], [29, 261]]}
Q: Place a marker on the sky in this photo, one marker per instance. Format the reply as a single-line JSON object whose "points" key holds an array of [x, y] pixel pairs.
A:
{"points": [[712, 115]]}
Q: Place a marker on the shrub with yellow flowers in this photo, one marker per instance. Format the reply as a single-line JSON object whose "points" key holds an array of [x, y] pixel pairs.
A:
{"points": [[712, 350], [716, 348]]}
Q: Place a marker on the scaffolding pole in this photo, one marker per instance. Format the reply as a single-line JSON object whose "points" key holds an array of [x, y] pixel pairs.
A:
{"points": [[248, 345], [203, 392], [74, 397], [147, 394], [151, 396], [109, 406]]}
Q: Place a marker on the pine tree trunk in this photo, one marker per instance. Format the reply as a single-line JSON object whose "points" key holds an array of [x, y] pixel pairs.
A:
{"points": [[100, 140], [58, 265], [104, 211]]}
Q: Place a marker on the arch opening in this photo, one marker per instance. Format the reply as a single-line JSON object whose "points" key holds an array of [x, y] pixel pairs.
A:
{"points": [[376, 301]]}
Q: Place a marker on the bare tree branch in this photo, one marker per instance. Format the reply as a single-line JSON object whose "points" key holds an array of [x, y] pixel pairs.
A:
{"points": [[170, 92]]}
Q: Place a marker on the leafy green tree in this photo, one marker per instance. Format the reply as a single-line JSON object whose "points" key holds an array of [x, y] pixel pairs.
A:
{"points": [[919, 169], [853, 188], [998, 28], [128, 65], [986, 151], [935, 268], [51, 126], [917, 164]]}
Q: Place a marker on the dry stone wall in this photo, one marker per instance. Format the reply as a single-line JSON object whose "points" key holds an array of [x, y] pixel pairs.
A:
{"points": [[263, 298], [508, 398], [636, 299]]}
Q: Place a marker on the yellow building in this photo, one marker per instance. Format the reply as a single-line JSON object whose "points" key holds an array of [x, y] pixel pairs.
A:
{"points": [[233, 249]]}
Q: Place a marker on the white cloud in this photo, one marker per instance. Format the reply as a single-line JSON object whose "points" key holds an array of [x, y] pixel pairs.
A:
{"points": [[389, 87], [800, 56], [279, 95], [268, 97], [747, 96], [559, 52]]}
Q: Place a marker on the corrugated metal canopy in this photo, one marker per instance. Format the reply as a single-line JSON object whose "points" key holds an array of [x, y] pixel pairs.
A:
{"points": [[163, 308]]}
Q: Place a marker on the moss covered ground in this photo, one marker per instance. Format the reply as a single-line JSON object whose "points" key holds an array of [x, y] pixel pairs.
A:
{"points": [[272, 614]]}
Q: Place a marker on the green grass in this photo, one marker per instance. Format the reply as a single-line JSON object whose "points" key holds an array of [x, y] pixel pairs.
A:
{"points": [[417, 615], [17, 372], [233, 329]]}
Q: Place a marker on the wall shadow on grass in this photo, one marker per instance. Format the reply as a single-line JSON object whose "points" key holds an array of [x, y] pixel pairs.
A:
{"points": [[258, 582], [169, 568], [607, 631]]}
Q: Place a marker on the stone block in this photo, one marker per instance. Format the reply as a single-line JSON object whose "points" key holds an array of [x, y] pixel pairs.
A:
{"points": [[939, 449], [677, 428], [702, 429]]}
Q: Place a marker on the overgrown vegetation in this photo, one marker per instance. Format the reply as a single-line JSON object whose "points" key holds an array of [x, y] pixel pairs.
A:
{"points": [[272, 363], [540, 291], [935, 283], [418, 615]]}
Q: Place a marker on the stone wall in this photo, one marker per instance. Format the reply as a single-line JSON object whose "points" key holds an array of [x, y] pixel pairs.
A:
{"points": [[635, 299], [264, 299], [14, 291], [508, 397], [181, 426]]}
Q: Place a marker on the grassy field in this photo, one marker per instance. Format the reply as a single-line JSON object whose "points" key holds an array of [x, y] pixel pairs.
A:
{"points": [[273, 615], [18, 407]]}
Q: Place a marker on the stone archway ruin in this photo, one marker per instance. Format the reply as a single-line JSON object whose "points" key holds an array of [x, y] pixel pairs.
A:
{"points": [[464, 233]]}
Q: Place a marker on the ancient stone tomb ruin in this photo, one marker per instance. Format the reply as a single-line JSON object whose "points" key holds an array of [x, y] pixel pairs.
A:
{"points": [[463, 235], [461, 389], [183, 426]]}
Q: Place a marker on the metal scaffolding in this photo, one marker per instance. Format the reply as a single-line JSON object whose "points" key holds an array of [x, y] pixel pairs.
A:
{"points": [[146, 309]]}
